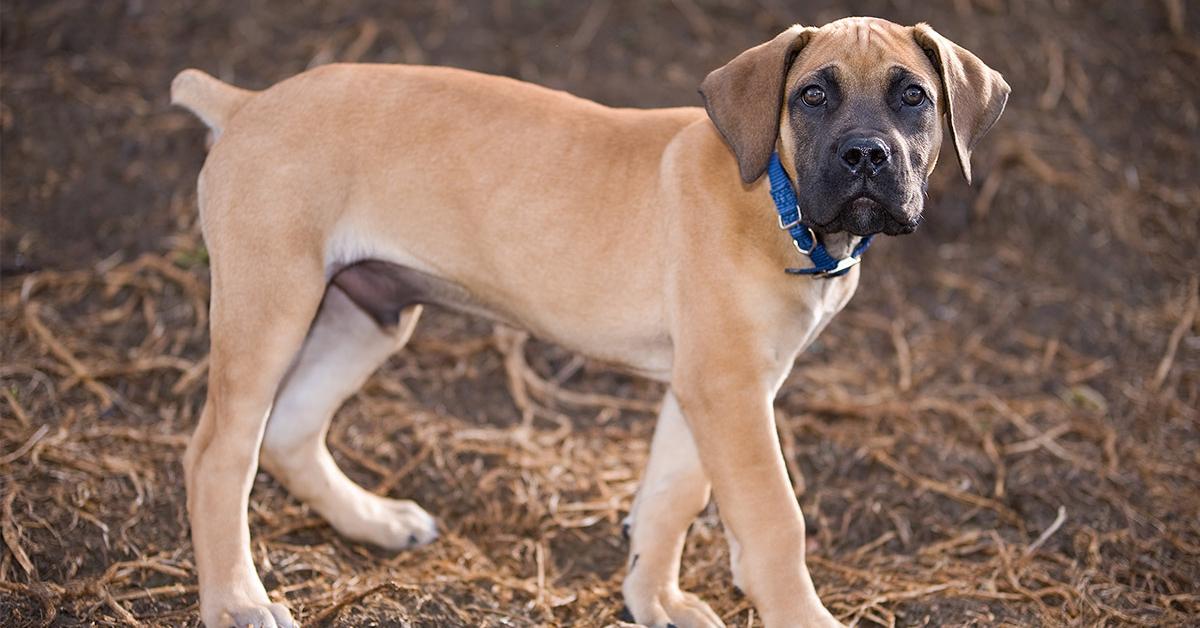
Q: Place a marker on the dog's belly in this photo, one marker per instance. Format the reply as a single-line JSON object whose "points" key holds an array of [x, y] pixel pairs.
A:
{"points": [[384, 289]]}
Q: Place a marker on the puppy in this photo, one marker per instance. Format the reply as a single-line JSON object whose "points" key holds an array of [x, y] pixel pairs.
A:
{"points": [[338, 202]]}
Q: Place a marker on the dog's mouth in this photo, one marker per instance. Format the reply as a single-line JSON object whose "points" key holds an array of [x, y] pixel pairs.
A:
{"points": [[863, 212], [864, 215]]}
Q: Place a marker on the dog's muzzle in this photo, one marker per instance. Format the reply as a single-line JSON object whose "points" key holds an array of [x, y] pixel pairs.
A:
{"points": [[863, 216]]}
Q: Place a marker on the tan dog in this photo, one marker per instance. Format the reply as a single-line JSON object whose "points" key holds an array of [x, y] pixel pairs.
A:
{"points": [[337, 202]]}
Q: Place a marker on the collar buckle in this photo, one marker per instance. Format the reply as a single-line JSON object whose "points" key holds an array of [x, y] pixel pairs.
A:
{"points": [[843, 265]]}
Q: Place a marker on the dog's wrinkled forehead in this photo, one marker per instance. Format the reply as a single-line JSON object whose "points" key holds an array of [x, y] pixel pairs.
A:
{"points": [[864, 51]]}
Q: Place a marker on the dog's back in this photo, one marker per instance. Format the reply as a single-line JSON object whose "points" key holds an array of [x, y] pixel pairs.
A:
{"points": [[482, 180]]}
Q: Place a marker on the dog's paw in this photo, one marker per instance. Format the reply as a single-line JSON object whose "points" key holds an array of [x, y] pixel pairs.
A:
{"points": [[671, 608], [254, 616], [393, 524]]}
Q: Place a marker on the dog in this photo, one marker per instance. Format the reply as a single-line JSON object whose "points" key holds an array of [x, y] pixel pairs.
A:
{"points": [[337, 203]]}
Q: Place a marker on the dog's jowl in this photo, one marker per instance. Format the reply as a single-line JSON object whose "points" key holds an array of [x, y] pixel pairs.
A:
{"points": [[337, 203]]}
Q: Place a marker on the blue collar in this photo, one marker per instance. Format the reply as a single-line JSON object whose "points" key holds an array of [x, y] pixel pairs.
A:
{"points": [[805, 241]]}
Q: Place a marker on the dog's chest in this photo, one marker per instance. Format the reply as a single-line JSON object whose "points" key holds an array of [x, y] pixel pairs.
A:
{"points": [[821, 301]]}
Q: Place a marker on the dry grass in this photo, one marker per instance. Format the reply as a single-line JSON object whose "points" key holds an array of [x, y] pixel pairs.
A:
{"points": [[1000, 430]]}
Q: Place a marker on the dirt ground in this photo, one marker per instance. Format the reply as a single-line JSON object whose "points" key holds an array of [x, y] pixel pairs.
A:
{"points": [[1001, 429]]}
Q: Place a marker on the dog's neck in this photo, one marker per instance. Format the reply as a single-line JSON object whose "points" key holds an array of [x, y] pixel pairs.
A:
{"points": [[825, 262], [839, 244]]}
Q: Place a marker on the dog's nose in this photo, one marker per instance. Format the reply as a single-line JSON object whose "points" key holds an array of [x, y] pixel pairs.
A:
{"points": [[864, 155]]}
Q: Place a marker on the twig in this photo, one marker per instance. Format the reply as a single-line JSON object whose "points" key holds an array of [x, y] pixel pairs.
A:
{"points": [[1001, 469], [540, 557], [25, 447], [356, 596], [511, 344], [695, 18], [190, 376], [1046, 534], [1057, 81], [127, 618], [18, 411], [523, 380], [949, 491], [12, 534], [1175, 16], [62, 353], [367, 34], [1184, 324], [903, 357], [163, 591], [592, 20]]}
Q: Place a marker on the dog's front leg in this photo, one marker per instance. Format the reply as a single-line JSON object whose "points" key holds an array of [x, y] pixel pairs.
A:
{"points": [[725, 382], [674, 490]]}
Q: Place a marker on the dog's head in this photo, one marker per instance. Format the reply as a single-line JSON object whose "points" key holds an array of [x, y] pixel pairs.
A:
{"points": [[855, 107]]}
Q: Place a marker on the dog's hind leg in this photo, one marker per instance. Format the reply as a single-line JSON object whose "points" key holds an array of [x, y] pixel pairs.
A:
{"points": [[344, 346], [251, 349], [674, 490]]}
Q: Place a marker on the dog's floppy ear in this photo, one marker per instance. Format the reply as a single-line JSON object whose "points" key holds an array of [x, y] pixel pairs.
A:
{"points": [[974, 93], [744, 98]]}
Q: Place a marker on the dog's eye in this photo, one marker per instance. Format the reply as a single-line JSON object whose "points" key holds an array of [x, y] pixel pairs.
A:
{"points": [[813, 96], [913, 96]]}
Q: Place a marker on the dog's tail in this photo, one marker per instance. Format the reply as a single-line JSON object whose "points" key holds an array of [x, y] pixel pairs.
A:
{"points": [[213, 101]]}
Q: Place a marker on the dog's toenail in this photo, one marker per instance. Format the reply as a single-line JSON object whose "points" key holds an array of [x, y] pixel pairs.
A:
{"points": [[412, 539], [738, 591], [625, 615], [625, 531]]}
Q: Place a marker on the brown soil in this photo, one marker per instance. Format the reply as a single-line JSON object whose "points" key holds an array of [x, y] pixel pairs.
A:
{"points": [[1000, 430]]}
